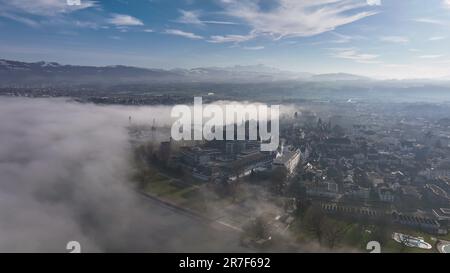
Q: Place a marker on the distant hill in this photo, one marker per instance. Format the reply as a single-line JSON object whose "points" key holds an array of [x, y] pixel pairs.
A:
{"points": [[339, 77], [14, 72], [50, 73]]}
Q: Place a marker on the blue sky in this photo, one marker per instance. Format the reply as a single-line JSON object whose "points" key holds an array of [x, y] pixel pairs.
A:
{"points": [[378, 38]]}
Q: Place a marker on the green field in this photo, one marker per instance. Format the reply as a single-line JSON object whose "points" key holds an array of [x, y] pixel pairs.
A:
{"points": [[357, 236]]}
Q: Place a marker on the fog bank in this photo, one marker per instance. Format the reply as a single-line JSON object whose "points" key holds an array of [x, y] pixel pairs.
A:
{"points": [[63, 176]]}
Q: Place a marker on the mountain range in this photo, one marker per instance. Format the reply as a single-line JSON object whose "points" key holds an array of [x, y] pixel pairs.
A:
{"points": [[16, 73]]}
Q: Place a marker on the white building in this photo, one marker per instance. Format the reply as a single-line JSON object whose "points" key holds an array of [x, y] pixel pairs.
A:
{"points": [[287, 158]]}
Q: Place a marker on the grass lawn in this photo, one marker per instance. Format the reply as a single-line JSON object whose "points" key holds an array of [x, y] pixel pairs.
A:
{"points": [[357, 236], [182, 195]]}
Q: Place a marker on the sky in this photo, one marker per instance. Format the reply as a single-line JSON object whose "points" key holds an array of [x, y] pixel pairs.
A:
{"points": [[376, 38]]}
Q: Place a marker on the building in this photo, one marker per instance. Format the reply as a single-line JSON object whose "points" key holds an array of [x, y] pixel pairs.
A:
{"points": [[288, 158], [442, 216], [225, 160], [386, 195], [425, 224], [350, 210], [358, 193], [246, 163], [436, 195], [323, 189]]}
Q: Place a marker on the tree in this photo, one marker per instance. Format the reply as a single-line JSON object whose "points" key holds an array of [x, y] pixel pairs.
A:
{"points": [[333, 231], [323, 227], [314, 219], [298, 191], [382, 231], [277, 180], [336, 174], [233, 189], [257, 229], [261, 228]]}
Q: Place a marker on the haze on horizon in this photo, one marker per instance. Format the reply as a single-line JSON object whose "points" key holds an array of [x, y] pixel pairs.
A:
{"points": [[377, 38]]}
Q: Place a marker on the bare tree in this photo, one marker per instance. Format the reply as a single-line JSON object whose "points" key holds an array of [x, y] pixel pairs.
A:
{"points": [[333, 231], [314, 220]]}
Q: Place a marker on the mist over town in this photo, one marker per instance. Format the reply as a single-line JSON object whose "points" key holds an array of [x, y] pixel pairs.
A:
{"points": [[117, 130]]}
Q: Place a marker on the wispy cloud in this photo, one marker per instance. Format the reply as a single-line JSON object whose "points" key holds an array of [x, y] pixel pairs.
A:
{"points": [[436, 38], [231, 38], [184, 34], [292, 18], [215, 22], [124, 20], [87, 24], [431, 56], [20, 19], [354, 55], [253, 47], [190, 17], [395, 39], [431, 21], [19, 10], [374, 2], [342, 39], [44, 7], [193, 18]]}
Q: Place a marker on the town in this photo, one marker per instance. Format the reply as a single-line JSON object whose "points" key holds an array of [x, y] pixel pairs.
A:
{"points": [[376, 166]]}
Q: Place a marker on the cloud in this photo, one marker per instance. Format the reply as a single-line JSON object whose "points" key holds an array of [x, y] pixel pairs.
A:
{"points": [[292, 18], [20, 19], [436, 38], [354, 55], [431, 21], [446, 3], [87, 24], [342, 39], [125, 20], [434, 70], [190, 17], [374, 2], [184, 34], [253, 47], [231, 38], [431, 56], [443, 62], [65, 170], [44, 7], [193, 18], [213, 22], [395, 39], [18, 10]]}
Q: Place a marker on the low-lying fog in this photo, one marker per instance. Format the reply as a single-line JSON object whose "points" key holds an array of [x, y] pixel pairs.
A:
{"points": [[63, 176]]}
